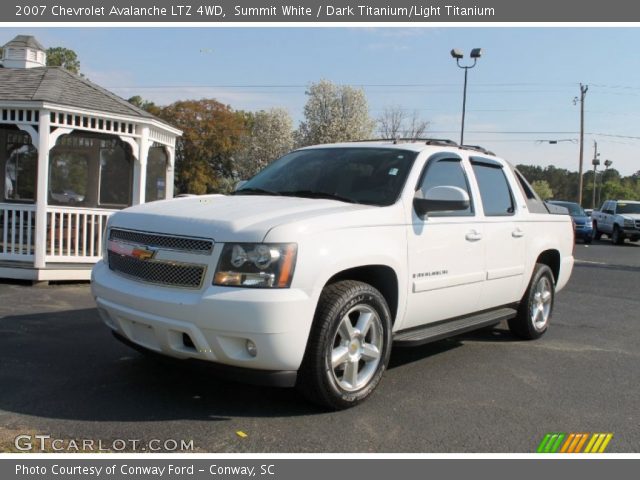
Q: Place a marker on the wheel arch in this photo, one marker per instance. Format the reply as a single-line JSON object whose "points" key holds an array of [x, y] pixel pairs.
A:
{"points": [[551, 258], [382, 277]]}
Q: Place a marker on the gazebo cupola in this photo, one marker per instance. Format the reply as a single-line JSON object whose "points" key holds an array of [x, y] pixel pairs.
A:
{"points": [[71, 154], [24, 51]]}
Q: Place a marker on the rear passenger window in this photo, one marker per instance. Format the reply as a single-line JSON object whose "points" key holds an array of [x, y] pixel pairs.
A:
{"points": [[497, 199], [446, 172]]}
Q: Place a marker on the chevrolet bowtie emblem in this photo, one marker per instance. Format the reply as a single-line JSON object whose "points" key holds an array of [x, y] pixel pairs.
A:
{"points": [[143, 253]]}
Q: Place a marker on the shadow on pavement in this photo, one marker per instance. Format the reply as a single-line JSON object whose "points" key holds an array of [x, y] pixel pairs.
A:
{"points": [[66, 365]]}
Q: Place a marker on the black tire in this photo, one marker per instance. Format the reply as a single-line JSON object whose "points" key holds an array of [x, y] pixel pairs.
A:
{"points": [[617, 237], [524, 324], [596, 235], [318, 380], [587, 240]]}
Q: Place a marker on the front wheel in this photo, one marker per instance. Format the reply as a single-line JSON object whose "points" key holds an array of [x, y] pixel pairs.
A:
{"points": [[536, 306], [349, 345], [617, 237], [596, 234]]}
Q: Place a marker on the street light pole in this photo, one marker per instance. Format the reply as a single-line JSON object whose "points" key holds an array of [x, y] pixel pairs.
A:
{"points": [[476, 53], [464, 103], [607, 164]]}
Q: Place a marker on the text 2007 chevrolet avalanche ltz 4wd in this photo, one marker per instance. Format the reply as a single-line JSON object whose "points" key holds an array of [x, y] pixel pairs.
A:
{"points": [[313, 269]]}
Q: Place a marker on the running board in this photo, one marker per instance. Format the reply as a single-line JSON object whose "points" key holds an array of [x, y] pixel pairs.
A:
{"points": [[448, 328]]}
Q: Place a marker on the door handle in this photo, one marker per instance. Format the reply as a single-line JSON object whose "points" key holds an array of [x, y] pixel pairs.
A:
{"points": [[517, 233], [473, 236]]}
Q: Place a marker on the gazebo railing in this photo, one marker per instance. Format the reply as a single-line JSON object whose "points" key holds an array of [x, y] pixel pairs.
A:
{"points": [[17, 222], [75, 235]]}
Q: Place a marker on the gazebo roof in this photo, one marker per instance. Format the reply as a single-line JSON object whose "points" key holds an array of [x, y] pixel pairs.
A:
{"points": [[25, 41], [59, 86]]}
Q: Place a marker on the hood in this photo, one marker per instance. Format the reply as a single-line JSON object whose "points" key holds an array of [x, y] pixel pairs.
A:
{"points": [[633, 216], [581, 218], [242, 218]]}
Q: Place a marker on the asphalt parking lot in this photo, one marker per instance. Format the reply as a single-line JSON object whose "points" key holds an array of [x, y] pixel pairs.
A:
{"points": [[62, 374]]}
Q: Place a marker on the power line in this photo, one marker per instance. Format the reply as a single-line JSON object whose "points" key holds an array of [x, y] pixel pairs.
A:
{"points": [[369, 85]]}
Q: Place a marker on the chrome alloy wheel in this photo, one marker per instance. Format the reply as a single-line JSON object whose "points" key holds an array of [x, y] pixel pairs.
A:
{"points": [[357, 348], [541, 304]]}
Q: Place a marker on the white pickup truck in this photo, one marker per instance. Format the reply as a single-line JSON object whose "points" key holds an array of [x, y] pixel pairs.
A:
{"points": [[311, 270], [619, 219]]}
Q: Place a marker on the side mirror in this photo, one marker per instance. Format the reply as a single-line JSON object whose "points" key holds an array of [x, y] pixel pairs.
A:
{"points": [[239, 185], [440, 199]]}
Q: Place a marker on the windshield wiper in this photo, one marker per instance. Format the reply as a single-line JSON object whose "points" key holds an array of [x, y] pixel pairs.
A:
{"points": [[254, 191], [314, 194]]}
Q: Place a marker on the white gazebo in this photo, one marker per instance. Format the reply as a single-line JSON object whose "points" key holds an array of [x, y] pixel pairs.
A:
{"points": [[71, 153]]}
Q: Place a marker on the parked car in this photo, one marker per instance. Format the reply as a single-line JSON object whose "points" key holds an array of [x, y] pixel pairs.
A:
{"points": [[311, 270], [67, 196], [619, 219], [582, 223]]}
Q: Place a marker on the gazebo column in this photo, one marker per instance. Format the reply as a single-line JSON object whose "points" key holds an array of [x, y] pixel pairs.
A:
{"points": [[140, 168], [42, 190], [170, 172]]}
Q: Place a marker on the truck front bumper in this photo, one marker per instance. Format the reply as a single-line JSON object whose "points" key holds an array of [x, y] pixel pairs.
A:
{"points": [[214, 324], [584, 232]]}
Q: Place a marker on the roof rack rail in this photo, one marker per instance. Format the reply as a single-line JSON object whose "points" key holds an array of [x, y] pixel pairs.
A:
{"points": [[477, 148], [428, 141]]}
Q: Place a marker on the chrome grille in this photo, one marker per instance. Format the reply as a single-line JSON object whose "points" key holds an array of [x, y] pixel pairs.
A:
{"points": [[167, 242], [638, 224], [159, 272]]}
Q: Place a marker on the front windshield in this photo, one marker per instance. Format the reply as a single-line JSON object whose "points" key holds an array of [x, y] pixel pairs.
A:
{"points": [[373, 176], [625, 208]]}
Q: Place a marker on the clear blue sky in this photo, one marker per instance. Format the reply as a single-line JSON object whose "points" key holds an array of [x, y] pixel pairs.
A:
{"points": [[525, 82]]}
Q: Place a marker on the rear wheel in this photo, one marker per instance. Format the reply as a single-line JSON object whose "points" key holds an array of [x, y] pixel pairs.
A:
{"points": [[348, 347], [536, 306], [596, 235]]}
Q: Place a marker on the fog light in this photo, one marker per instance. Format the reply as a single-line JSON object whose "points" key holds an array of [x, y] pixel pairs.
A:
{"points": [[251, 348]]}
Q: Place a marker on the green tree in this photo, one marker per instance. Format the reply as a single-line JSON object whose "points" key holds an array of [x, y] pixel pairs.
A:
{"points": [[334, 113], [543, 189], [213, 135], [146, 105], [63, 57]]}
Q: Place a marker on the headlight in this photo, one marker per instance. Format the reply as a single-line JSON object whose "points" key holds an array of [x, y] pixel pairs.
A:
{"points": [[261, 265], [628, 222]]}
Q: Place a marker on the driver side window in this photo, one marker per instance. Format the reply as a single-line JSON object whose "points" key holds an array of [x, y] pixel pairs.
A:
{"points": [[447, 172]]}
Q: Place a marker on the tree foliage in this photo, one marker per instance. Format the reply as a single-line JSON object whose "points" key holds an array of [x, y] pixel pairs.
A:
{"points": [[334, 113], [63, 57], [213, 135], [564, 184], [146, 105], [397, 122], [543, 189], [269, 136]]}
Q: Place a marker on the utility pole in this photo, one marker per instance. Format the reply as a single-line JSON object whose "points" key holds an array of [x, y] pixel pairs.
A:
{"points": [[595, 166], [583, 94]]}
